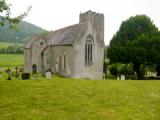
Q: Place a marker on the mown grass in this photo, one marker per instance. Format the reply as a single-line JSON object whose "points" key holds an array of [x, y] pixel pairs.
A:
{"points": [[11, 60], [72, 99]]}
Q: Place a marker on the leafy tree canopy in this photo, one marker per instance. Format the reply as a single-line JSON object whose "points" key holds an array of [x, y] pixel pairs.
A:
{"points": [[133, 28], [137, 42]]}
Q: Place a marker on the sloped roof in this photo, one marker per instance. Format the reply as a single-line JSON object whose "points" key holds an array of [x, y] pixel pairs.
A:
{"points": [[65, 35], [34, 38], [45, 49]]}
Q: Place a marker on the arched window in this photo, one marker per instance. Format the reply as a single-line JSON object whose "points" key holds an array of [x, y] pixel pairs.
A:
{"points": [[89, 49]]}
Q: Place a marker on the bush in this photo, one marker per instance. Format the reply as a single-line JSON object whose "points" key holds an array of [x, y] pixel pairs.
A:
{"points": [[125, 69], [113, 69]]}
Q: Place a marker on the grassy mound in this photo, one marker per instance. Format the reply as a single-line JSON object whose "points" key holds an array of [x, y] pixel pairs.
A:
{"points": [[69, 99]]}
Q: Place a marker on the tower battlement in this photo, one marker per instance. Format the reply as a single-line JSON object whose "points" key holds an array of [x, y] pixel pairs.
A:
{"points": [[94, 21], [90, 16]]}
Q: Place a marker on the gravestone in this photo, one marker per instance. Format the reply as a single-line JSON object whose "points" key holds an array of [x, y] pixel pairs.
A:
{"points": [[122, 77], [135, 76], [25, 76], [48, 75], [34, 69]]}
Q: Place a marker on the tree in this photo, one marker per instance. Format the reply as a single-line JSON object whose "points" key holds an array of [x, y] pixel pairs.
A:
{"points": [[5, 9], [131, 44]]}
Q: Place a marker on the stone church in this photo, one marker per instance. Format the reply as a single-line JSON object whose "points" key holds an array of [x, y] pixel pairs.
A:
{"points": [[75, 51]]}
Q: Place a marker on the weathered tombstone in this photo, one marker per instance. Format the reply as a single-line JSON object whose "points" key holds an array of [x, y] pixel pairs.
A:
{"points": [[8, 71], [135, 76], [48, 75], [34, 69], [122, 77], [118, 77], [25, 76]]}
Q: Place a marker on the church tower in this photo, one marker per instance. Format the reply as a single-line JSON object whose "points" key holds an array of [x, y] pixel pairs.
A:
{"points": [[96, 20], [90, 46]]}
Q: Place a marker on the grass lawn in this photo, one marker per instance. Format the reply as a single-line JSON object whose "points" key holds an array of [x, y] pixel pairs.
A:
{"points": [[71, 99], [11, 60]]}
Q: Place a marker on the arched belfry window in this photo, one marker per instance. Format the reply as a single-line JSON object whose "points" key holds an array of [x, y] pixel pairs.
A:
{"points": [[89, 49]]}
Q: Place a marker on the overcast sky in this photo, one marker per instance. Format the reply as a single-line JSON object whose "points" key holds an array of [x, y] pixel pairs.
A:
{"points": [[55, 14]]}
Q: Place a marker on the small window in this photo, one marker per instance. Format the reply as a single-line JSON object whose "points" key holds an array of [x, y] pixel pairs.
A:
{"points": [[41, 42]]}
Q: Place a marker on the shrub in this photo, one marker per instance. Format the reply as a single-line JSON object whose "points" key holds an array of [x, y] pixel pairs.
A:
{"points": [[113, 69]]}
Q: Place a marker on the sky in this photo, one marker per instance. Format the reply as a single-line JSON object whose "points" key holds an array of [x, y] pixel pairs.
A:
{"points": [[56, 14]]}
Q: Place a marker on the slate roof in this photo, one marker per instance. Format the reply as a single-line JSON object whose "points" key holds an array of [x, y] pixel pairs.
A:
{"points": [[66, 36]]}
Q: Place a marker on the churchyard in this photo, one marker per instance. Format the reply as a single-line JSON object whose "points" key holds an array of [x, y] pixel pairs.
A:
{"points": [[66, 98], [74, 99]]}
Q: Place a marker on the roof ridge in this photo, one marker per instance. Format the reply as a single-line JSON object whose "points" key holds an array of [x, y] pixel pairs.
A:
{"points": [[65, 35]]}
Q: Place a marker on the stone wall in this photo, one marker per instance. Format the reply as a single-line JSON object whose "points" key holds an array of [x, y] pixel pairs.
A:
{"points": [[33, 55], [27, 60], [57, 60]]}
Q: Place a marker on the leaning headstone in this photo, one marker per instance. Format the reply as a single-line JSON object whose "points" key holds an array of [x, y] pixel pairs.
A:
{"points": [[122, 77], [48, 75]]}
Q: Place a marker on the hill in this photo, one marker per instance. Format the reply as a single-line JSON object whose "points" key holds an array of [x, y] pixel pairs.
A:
{"points": [[68, 99], [26, 30]]}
